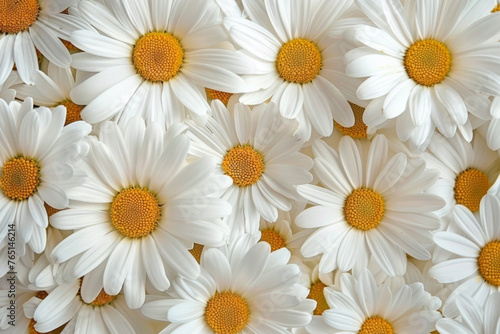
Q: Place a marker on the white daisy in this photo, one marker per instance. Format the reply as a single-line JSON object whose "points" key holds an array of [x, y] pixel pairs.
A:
{"points": [[299, 66], [245, 290], [429, 62], [140, 210], [37, 154], [29, 24], [153, 58], [66, 306], [360, 306], [256, 148], [467, 170], [53, 89], [370, 202], [475, 318], [476, 264]]}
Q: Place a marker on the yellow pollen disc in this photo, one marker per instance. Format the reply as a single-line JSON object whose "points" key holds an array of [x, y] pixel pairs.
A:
{"points": [[376, 325], [196, 252], [358, 130], [135, 212], [41, 295], [316, 293], [218, 95], [299, 61], [17, 15], [227, 313], [20, 178], [427, 62], [489, 262], [272, 238], [364, 209], [73, 111], [470, 186], [102, 299], [244, 164], [496, 9], [158, 56], [50, 210]]}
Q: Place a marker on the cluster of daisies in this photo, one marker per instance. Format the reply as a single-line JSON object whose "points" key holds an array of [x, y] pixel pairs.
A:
{"points": [[254, 166]]}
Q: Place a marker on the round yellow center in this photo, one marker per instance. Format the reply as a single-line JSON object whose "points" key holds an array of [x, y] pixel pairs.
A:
{"points": [[364, 209], [358, 130], [470, 186], [17, 15], [427, 62], [218, 95], [299, 61], [496, 9], [272, 238], [227, 313], [50, 210], [196, 252], [73, 111], [20, 178], [316, 293], [135, 212], [244, 165], [489, 262], [158, 56], [376, 325], [102, 299]]}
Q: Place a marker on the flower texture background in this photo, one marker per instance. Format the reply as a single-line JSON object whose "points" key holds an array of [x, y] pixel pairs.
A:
{"points": [[250, 166]]}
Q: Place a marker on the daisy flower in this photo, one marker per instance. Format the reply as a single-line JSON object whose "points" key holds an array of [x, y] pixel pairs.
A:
{"points": [[467, 170], [363, 307], [153, 58], [476, 264], [475, 318], [36, 165], [140, 210], [257, 149], [429, 62], [247, 290], [370, 202], [299, 66], [29, 24], [53, 89], [66, 306]]}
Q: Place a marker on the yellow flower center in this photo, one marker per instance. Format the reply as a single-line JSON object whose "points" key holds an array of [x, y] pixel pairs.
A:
{"points": [[135, 212], [272, 238], [470, 186], [196, 252], [102, 299], [496, 9], [427, 62], [299, 61], [17, 15], [218, 95], [73, 111], [227, 313], [50, 210], [316, 293], [376, 325], [358, 130], [244, 165], [364, 209], [158, 56], [489, 262], [20, 179]]}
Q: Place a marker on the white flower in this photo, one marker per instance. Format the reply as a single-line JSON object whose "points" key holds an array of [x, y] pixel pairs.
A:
{"points": [[37, 157], [153, 58], [370, 202], [140, 211], [476, 263], [246, 289], [430, 63], [257, 149], [299, 66]]}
